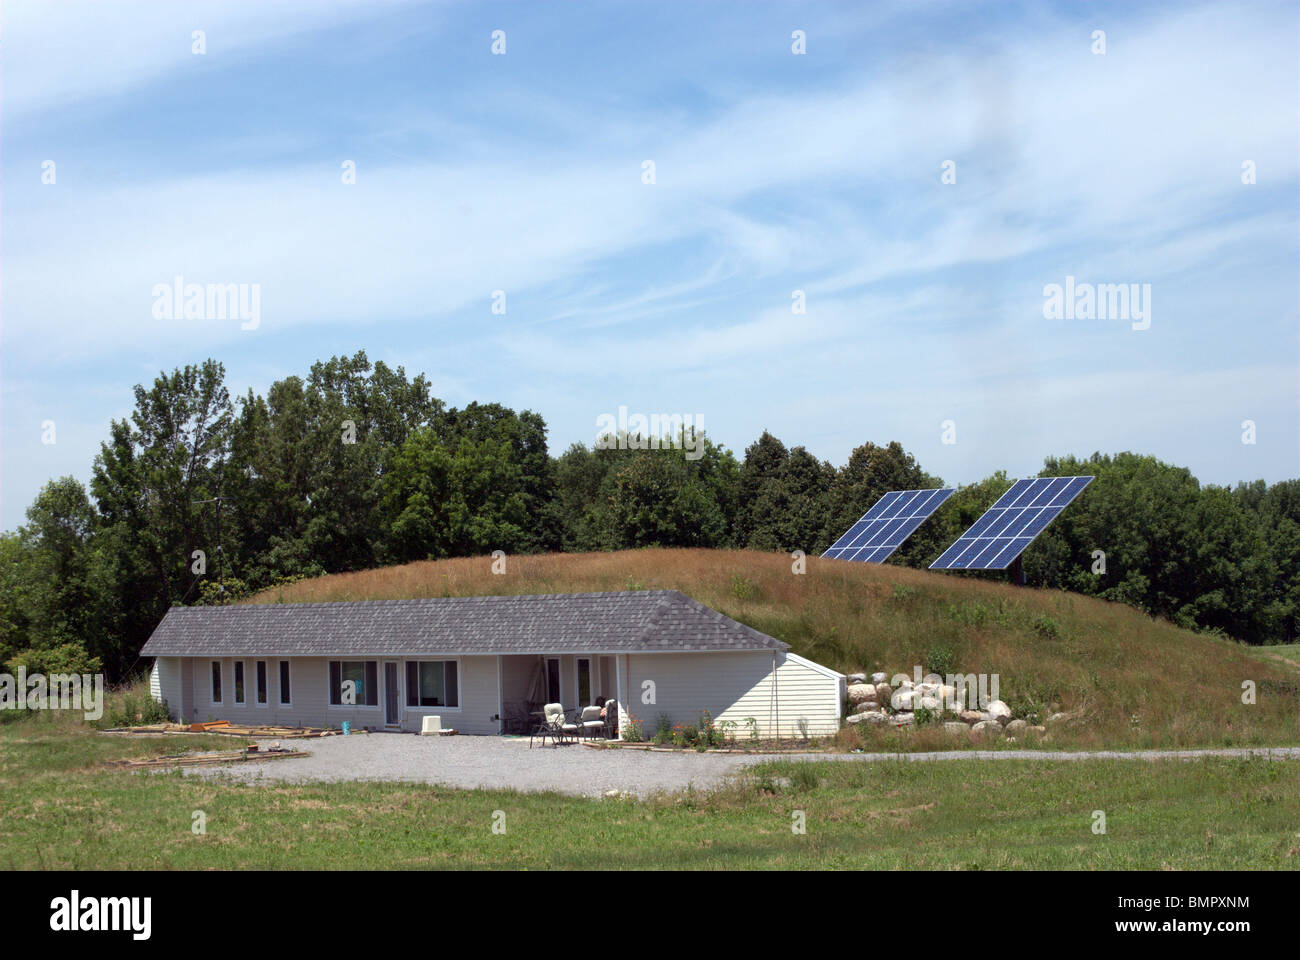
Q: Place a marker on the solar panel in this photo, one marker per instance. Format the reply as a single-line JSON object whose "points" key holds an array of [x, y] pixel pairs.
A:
{"points": [[995, 540], [885, 526]]}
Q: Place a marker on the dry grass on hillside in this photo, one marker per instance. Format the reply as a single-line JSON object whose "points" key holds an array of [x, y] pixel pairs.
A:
{"points": [[1141, 681]]}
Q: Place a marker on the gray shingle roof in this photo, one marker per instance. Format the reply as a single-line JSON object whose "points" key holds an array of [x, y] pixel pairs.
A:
{"points": [[642, 621]]}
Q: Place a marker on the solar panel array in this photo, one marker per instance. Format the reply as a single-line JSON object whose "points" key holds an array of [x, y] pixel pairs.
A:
{"points": [[886, 525], [995, 540]]}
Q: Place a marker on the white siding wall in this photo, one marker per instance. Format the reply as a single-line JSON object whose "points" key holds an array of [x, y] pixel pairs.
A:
{"points": [[309, 696], [734, 686], [731, 686], [165, 684]]}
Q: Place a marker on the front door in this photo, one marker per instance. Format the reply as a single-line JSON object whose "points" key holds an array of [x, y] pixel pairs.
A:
{"points": [[392, 696]]}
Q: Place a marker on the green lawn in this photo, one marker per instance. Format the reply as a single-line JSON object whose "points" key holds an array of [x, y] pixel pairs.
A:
{"points": [[60, 809]]}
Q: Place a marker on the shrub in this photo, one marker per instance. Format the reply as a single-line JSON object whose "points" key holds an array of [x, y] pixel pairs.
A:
{"points": [[1046, 627], [742, 588], [66, 658]]}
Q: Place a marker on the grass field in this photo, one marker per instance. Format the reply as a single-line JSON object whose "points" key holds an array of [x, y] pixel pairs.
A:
{"points": [[1140, 682], [60, 808]]}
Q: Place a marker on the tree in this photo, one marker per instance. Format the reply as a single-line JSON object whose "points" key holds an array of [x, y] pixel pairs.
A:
{"points": [[783, 498], [307, 464], [145, 481]]}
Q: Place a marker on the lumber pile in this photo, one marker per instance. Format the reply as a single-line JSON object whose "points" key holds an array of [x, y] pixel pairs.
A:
{"points": [[265, 730], [227, 728]]}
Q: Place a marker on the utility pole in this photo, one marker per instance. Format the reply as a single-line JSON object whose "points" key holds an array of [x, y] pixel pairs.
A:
{"points": [[221, 583]]}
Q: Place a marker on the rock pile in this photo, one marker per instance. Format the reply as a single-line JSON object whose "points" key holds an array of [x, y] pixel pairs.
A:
{"points": [[876, 702]]}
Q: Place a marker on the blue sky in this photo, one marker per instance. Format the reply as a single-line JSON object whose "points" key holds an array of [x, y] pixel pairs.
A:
{"points": [[774, 173]]}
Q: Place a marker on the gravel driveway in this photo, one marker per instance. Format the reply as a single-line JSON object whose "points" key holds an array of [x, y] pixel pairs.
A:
{"points": [[499, 762], [487, 762]]}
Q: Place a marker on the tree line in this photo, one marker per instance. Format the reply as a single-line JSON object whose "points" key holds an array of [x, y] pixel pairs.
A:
{"points": [[198, 497]]}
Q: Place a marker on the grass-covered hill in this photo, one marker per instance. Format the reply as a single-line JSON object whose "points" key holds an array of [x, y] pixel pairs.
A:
{"points": [[1138, 681]]}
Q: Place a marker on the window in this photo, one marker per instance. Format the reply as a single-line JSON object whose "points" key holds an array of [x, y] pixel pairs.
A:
{"points": [[364, 677], [239, 681], [584, 682], [284, 682], [431, 683], [216, 681], [261, 683]]}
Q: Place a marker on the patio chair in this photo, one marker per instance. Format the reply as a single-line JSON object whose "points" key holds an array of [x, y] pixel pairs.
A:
{"points": [[572, 727], [592, 725], [552, 725]]}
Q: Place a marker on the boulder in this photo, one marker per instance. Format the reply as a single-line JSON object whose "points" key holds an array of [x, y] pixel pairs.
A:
{"points": [[1064, 718], [929, 702], [857, 678], [884, 692], [905, 700], [971, 716], [999, 711], [1017, 728], [879, 678], [929, 689], [871, 717], [902, 719], [861, 692], [868, 706], [986, 730]]}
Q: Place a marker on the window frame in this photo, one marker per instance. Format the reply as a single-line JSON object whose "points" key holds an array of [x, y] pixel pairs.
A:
{"points": [[285, 674], [408, 662], [261, 684], [366, 685], [216, 681], [239, 689]]}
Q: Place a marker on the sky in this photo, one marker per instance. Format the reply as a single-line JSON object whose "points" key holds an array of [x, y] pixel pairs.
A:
{"points": [[917, 179]]}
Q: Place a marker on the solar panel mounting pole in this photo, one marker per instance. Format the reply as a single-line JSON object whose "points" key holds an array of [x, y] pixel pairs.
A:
{"points": [[1018, 572]]}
